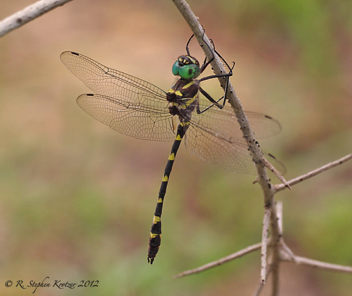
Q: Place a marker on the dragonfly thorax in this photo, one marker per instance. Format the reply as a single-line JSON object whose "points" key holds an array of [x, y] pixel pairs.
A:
{"points": [[187, 67], [183, 98]]}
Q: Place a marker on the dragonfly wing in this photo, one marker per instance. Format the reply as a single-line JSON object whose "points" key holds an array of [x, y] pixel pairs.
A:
{"points": [[219, 149], [138, 121], [225, 120], [275, 162], [215, 136], [126, 103], [224, 151], [264, 126], [113, 83]]}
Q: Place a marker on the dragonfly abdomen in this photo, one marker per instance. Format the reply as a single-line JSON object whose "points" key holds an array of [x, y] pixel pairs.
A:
{"points": [[155, 232]]}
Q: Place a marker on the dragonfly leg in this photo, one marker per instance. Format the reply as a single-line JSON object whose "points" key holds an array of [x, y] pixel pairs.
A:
{"points": [[187, 48], [214, 102], [227, 77]]}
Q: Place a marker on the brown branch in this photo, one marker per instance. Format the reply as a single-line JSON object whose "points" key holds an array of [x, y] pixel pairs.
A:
{"points": [[247, 132], [311, 174], [279, 212], [265, 234], [275, 278], [322, 265], [221, 261], [286, 253], [276, 173], [231, 95], [261, 284], [28, 14]]}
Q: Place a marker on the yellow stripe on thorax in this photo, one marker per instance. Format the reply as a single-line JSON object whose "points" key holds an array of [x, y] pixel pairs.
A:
{"points": [[178, 93], [188, 84], [190, 101]]}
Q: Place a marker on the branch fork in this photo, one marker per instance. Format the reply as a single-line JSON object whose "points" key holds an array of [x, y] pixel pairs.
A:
{"points": [[273, 243]]}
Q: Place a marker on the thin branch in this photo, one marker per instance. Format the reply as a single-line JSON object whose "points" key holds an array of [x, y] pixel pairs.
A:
{"points": [[286, 253], [265, 233], [221, 261], [276, 173], [322, 265], [261, 284], [279, 212], [311, 174], [231, 95], [275, 243], [247, 132], [260, 288], [275, 278], [28, 14]]}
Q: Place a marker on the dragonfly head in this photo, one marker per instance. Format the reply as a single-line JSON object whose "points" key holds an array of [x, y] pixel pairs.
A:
{"points": [[186, 67]]}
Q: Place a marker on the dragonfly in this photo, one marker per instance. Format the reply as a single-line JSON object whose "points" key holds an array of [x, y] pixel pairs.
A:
{"points": [[137, 108]]}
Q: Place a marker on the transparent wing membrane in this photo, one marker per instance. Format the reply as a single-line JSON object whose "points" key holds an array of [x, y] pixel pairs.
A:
{"points": [[127, 104], [133, 120], [137, 108]]}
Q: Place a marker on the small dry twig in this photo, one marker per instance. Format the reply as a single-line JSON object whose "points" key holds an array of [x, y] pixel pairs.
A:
{"points": [[233, 256], [322, 265], [279, 208], [261, 284], [313, 173], [265, 234], [28, 14]]}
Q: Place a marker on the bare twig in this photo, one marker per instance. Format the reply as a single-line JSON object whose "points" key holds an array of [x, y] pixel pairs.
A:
{"points": [[311, 174], [286, 253], [261, 284], [28, 14], [279, 212], [276, 254], [248, 134], [276, 172], [265, 233], [275, 278], [322, 265], [221, 261], [272, 214], [233, 99]]}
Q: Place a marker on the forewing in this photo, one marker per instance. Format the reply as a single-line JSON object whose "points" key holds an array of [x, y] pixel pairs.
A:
{"points": [[109, 82], [126, 103]]}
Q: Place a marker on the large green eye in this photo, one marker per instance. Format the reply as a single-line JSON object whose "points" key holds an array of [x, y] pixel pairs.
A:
{"points": [[175, 68], [189, 71]]}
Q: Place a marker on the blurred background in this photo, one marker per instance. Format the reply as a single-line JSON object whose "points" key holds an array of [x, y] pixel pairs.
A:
{"points": [[77, 198]]}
